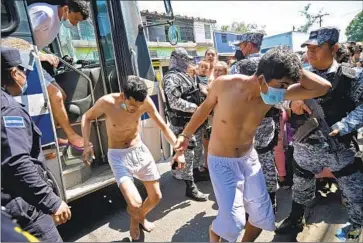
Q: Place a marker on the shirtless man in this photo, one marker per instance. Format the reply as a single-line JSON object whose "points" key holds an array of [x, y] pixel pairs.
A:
{"points": [[240, 103], [127, 154]]}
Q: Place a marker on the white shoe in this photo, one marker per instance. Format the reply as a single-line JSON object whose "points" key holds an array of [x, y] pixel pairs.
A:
{"points": [[177, 174]]}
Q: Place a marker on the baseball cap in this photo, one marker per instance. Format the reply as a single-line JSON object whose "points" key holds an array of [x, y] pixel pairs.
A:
{"points": [[11, 57], [323, 35], [254, 37], [180, 52]]}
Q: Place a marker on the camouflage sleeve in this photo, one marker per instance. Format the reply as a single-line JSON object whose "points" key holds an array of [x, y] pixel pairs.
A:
{"points": [[173, 91], [352, 122]]}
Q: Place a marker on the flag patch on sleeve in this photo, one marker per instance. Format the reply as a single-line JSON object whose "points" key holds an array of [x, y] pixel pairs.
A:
{"points": [[14, 121]]}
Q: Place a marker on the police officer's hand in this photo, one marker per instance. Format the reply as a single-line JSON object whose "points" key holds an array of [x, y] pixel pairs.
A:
{"points": [[63, 214], [53, 60], [299, 107], [179, 157], [88, 155], [181, 144], [334, 133]]}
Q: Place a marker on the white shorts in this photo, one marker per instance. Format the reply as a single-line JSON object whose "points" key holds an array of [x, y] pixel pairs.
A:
{"points": [[239, 186], [136, 161]]}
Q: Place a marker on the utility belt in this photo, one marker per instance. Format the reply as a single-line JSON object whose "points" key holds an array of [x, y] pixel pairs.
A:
{"points": [[266, 149], [350, 169]]}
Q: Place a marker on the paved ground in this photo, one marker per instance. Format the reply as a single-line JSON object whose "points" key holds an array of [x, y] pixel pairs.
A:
{"points": [[101, 216]]}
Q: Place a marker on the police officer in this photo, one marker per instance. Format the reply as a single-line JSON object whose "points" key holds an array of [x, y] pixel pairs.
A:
{"points": [[182, 99], [26, 193], [266, 137], [11, 232], [343, 108], [249, 45]]}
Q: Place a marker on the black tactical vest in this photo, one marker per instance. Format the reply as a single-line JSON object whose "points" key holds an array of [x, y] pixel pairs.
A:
{"points": [[191, 95]]}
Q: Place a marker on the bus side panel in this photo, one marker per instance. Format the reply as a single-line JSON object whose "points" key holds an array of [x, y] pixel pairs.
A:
{"points": [[137, 41], [140, 55], [35, 103]]}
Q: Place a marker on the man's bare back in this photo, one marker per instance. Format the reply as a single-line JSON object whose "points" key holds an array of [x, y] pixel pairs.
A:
{"points": [[122, 126], [236, 117]]}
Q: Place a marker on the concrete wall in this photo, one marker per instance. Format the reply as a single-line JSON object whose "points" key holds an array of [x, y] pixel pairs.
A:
{"points": [[199, 32], [297, 39]]}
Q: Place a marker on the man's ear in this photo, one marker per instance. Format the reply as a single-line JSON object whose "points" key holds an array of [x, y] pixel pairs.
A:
{"points": [[261, 80], [14, 74], [335, 49]]}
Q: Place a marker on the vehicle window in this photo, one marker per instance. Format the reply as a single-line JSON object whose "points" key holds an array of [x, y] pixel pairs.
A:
{"points": [[80, 42], [105, 32], [5, 16]]}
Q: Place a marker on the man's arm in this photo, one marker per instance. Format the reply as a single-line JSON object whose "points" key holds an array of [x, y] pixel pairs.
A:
{"points": [[310, 86], [352, 122], [19, 169], [155, 116], [96, 111], [203, 111], [173, 94], [40, 20]]}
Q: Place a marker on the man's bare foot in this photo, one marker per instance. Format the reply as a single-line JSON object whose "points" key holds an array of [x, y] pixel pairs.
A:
{"points": [[146, 225], [134, 229], [76, 140]]}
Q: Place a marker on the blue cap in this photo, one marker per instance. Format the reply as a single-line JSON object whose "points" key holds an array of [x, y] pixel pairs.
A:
{"points": [[323, 35], [254, 37], [10, 57], [180, 52]]}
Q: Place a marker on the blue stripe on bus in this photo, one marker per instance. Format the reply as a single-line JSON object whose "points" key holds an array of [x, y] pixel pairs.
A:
{"points": [[44, 123], [33, 83]]}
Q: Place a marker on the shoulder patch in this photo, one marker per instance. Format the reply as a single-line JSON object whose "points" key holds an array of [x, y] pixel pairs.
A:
{"points": [[348, 72], [14, 121]]}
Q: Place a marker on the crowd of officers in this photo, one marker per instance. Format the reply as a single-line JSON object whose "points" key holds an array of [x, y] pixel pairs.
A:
{"points": [[28, 194], [284, 160]]}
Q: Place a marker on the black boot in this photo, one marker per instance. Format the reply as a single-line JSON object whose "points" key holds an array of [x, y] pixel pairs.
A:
{"points": [[200, 176], [194, 193], [294, 221], [273, 201]]}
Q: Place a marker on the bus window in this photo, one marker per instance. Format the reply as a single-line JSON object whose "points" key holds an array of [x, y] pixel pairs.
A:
{"points": [[105, 32], [80, 42]]}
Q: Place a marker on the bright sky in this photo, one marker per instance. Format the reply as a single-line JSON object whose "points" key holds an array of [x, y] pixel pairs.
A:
{"points": [[278, 16]]}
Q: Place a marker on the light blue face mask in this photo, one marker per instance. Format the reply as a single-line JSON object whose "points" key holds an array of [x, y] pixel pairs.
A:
{"points": [[25, 87], [273, 96], [67, 24], [123, 106]]}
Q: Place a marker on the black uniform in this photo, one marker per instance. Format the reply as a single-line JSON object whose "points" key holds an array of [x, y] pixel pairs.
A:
{"points": [[25, 192]]}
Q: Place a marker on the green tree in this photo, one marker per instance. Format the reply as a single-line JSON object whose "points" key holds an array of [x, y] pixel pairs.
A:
{"points": [[224, 28], [310, 19], [242, 27], [354, 31]]}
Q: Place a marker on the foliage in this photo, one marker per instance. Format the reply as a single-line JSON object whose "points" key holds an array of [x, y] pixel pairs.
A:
{"points": [[354, 31], [242, 27], [310, 19]]}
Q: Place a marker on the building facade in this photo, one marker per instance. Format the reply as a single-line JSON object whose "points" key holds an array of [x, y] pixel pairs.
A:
{"points": [[224, 42], [194, 34]]}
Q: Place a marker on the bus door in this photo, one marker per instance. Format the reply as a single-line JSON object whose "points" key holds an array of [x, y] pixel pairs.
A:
{"points": [[16, 32]]}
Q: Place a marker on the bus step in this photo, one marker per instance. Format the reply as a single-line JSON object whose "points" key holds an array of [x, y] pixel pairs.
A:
{"points": [[75, 172]]}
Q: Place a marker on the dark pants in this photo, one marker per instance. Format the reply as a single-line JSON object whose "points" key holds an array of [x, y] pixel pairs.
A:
{"points": [[33, 220]]}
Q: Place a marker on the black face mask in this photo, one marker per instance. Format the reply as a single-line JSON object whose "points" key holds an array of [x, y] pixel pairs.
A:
{"points": [[239, 55]]}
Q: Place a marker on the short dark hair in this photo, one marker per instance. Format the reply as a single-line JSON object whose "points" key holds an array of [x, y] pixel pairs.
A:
{"points": [[135, 88], [247, 66], [6, 78], [278, 63], [79, 6]]}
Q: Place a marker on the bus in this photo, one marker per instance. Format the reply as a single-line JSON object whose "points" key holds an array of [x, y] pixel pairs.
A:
{"points": [[98, 55]]}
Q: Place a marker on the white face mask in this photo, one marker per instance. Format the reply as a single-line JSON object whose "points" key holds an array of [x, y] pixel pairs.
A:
{"points": [[68, 24]]}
